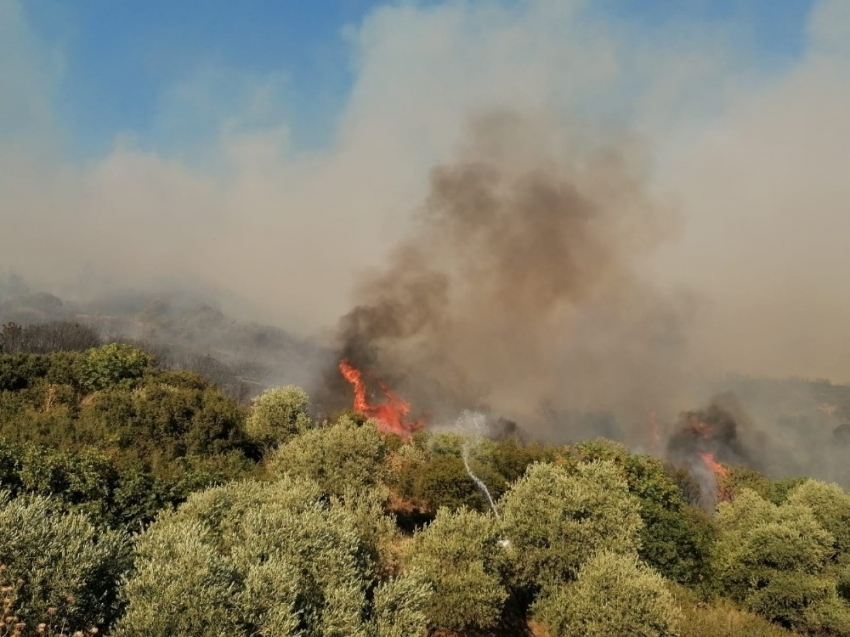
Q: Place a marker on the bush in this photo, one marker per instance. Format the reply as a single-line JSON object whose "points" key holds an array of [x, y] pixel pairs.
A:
{"points": [[830, 505], [278, 414], [555, 520], [774, 559], [457, 555], [159, 423], [443, 482], [676, 538], [614, 594], [61, 568], [113, 365], [720, 618], [399, 606], [269, 559], [429, 471], [338, 458]]}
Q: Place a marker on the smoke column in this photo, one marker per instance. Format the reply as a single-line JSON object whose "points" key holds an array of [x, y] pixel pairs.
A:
{"points": [[519, 288]]}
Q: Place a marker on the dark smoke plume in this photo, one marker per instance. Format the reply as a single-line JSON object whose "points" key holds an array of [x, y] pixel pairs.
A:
{"points": [[720, 429], [519, 286]]}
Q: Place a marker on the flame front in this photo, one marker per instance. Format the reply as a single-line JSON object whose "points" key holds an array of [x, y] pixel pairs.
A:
{"points": [[391, 415]]}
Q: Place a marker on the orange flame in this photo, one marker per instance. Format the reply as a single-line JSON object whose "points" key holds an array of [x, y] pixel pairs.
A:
{"points": [[391, 415], [716, 468]]}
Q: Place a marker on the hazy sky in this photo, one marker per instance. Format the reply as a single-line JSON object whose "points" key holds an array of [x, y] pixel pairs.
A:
{"points": [[275, 150]]}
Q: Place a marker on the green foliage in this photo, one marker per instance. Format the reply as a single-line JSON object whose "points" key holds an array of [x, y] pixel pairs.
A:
{"points": [[614, 594], [398, 608], [830, 505], [338, 458], [264, 559], [21, 371], [676, 538], [458, 555], [278, 414], [113, 365], [555, 520], [774, 559], [112, 494], [170, 416], [444, 483], [160, 422], [720, 618], [429, 470], [739, 478], [59, 565]]}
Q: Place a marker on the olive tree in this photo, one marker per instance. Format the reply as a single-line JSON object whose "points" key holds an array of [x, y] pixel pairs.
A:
{"points": [[113, 365], [554, 520], [337, 458], [278, 414], [614, 594], [458, 555], [830, 505], [774, 560], [62, 570], [269, 559]]}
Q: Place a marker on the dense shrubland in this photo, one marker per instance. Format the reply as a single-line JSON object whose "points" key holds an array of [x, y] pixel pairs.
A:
{"points": [[141, 501]]}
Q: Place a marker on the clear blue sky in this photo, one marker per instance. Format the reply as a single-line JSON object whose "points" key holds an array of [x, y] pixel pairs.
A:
{"points": [[122, 57]]}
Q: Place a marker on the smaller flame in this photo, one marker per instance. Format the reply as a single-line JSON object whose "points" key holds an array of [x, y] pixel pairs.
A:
{"points": [[391, 414], [716, 468]]}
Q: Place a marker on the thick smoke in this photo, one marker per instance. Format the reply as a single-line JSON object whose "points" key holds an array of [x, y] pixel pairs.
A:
{"points": [[721, 429], [519, 291]]}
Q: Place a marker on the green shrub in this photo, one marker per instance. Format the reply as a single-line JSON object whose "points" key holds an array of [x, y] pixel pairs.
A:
{"points": [[830, 505], [555, 520], [399, 606], [676, 538], [774, 560], [720, 618], [59, 565], [443, 482], [278, 414], [254, 558], [457, 555], [113, 365], [338, 458], [614, 594]]}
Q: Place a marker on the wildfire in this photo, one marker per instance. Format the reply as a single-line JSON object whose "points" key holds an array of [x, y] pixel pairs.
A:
{"points": [[391, 414], [716, 468]]}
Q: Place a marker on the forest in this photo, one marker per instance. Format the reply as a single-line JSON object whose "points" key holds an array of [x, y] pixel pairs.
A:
{"points": [[137, 499]]}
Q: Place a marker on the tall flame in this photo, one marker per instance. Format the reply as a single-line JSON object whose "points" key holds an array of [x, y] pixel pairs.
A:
{"points": [[391, 415]]}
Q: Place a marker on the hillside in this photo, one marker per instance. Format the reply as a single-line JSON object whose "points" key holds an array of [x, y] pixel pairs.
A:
{"points": [[184, 331], [194, 515]]}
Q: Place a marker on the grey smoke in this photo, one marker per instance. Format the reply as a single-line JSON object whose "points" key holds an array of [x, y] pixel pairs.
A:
{"points": [[520, 287]]}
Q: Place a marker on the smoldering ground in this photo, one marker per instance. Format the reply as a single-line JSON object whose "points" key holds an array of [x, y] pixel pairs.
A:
{"points": [[519, 292]]}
